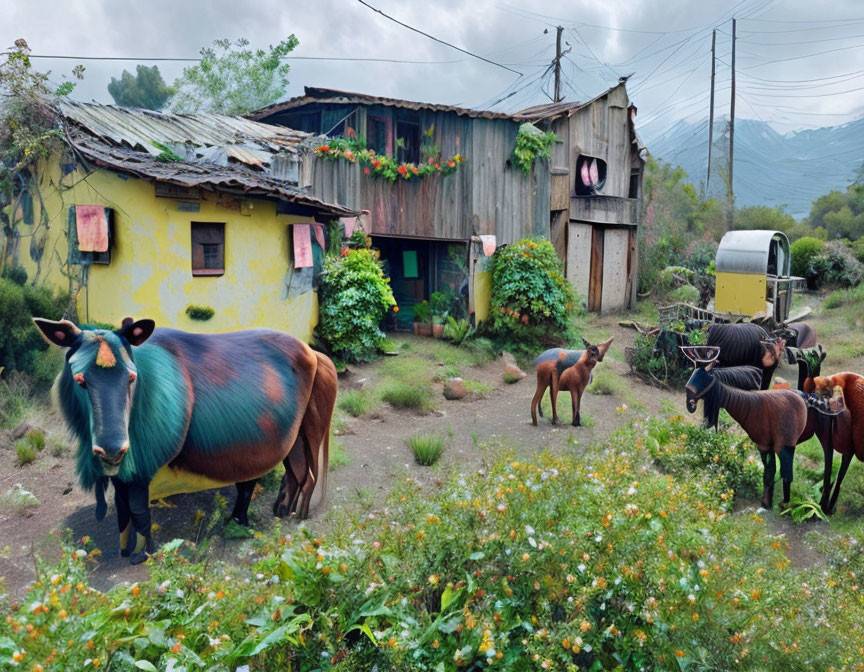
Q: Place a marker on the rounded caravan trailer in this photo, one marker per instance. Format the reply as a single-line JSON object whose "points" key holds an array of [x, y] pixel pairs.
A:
{"points": [[753, 274]]}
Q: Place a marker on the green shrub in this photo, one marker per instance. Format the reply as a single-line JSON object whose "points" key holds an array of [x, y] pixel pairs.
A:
{"points": [[415, 396], [20, 341], [858, 249], [200, 313], [457, 330], [25, 452], [36, 439], [357, 402], [684, 294], [836, 266], [14, 399], [58, 448], [531, 301], [427, 448], [17, 274], [355, 297], [843, 297], [803, 250], [422, 312]]}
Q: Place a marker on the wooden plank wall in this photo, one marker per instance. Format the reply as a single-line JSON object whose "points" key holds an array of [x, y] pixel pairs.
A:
{"points": [[579, 257], [616, 252]]}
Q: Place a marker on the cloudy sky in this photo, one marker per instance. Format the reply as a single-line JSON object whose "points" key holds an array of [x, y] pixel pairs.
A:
{"points": [[800, 63]]}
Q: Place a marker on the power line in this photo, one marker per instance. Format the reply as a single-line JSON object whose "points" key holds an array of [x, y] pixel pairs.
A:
{"points": [[798, 58], [431, 37], [197, 60]]}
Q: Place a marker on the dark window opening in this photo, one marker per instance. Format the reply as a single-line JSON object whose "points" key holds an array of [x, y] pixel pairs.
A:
{"points": [[305, 121], [590, 175], [634, 185], [376, 134], [408, 141], [208, 248]]}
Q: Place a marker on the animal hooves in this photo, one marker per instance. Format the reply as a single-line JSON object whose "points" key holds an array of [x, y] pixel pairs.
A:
{"points": [[282, 511], [138, 558]]}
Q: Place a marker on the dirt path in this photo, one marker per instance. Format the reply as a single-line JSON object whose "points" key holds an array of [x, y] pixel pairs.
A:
{"points": [[376, 445]]}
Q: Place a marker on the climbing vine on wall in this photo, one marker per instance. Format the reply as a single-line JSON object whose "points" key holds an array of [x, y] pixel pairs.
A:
{"points": [[531, 144], [386, 167]]}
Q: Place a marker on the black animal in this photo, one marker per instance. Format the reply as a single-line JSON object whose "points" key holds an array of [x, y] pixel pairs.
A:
{"points": [[740, 377], [747, 344]]}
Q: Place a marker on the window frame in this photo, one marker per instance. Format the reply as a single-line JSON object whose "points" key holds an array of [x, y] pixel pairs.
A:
{"points": [[402, 154], [370, 121], [203, 234]]}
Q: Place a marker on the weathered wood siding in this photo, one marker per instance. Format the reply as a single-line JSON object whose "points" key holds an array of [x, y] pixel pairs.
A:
{"points": [[616, 252], [579, 257], [605, 210]]}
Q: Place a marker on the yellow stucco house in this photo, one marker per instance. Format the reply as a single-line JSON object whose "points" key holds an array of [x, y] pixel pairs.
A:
{"points": [[153, 215]]}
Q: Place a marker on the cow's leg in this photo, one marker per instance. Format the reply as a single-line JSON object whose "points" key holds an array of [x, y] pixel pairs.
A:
{"points": [[124, 515], [576, 403], [844, 465], [787, 457], [141, 544], [553, 392], [769, 468], [537, 401], [295, 475], [240, 514]]}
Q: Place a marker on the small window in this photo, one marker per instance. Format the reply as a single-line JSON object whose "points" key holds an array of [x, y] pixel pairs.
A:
{"points": [[376, 134], [408, 139], [208, 248], [590, 175]]}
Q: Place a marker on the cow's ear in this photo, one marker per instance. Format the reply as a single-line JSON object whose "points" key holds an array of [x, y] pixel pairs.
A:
{"points": [[136, 332], [585, 341], [604, 347], [62, 333]]}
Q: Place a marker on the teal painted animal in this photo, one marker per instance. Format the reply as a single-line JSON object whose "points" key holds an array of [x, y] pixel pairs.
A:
{"points": [[161, 411]]}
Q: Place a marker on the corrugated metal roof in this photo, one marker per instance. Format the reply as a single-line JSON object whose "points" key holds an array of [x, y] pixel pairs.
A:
{"points": [[228, 154], [319, 95]]}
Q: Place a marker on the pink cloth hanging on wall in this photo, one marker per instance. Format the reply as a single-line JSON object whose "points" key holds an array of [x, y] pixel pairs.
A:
{"points": [[302, 246], [350, 223], [319, 234], [91, 224], [488, 245]]}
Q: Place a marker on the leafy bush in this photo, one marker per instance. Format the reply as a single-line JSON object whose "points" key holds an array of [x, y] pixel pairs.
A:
{"points": [[589, 561], [803, 250], [457, 330], [357, 402], [15, 394], [355, 296], [427, 448], [531, 299], [200, 313], [858, 249], [17, 274], [439, 303], [684, 294], [422, 312], [20, 341], [836, 265]]}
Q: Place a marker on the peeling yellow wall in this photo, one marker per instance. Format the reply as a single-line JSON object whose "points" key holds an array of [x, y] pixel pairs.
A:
{"points": [[150, 274]]}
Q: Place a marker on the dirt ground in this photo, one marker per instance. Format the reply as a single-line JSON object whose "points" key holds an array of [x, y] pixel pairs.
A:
{"points": [[375, 444]]}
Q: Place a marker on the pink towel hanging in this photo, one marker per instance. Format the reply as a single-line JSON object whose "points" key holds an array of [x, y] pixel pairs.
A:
{"points": [[91, 224], [319, 234], [302, 246], [488, 245]]}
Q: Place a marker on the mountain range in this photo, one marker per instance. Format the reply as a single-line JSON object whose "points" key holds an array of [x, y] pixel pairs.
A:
{"points": [[788, 170]]}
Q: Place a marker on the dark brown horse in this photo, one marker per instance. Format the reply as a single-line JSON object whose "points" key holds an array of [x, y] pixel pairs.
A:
{"points": [[747, 344]]}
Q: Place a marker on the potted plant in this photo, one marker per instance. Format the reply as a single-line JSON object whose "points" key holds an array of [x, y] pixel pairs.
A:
{"points": [[437, 326], [439, 303], [422, 319]]}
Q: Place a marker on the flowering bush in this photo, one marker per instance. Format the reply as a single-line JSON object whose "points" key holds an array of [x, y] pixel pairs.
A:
{"points": [[532, 302], [355, 297], [379, 165], [588, 562]]}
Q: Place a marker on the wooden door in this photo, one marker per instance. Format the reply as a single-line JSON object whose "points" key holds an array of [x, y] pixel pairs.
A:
{"points": [[595, 286]]}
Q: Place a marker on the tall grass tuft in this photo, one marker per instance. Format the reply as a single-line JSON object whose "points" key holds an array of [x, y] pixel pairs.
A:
{"points": [[427, 448], [357, 402], [415, 396]]}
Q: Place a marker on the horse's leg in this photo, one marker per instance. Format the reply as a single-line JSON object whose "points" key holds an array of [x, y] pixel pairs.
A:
{"points": [[576, 403], [828, 453], [769, 468], [787, 457], [554, 396], [139, 507], [295, 474], [844, 465], [124, 515], [537, 401], [240, 514]]}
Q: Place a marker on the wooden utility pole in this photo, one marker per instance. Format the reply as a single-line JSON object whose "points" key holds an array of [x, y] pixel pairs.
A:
{"points": [[558, 64], [732, 136], [711, 111]]}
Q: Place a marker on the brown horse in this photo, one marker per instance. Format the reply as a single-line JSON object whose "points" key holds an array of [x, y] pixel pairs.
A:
{"points": [[551, 366]]}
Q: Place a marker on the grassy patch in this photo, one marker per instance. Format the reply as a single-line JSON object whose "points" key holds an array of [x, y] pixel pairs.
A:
{"points": [[476, 388], [608, 382], [338, 456], [586, 420], [844, 297], [357, 402], [510, 377], [427, 448], [413, 396], [36, 439], [58, 448], [14, 400], [25, 452], [16, 499]]}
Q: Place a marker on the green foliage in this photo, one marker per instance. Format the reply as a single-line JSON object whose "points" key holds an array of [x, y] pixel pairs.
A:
{"points": [[20, 341], [427, 448], [771, 219], [840, 213], [510, 378], [17, 274], [439, 303], [35, 438], [805, 506], [338, 455], [231, 79], [457, 330], [803, 251], [836, 266], [25, 452], [357, 402], [532, 301], [355, 296], [145, 89], [477, 389], [14, 399], [684, 294], [690, 452], [531, 144], [415, 396], [167, 155], [422, 312], [201, 313], [844, 297]]}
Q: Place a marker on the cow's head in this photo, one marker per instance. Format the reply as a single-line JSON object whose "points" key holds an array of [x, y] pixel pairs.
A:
{"points": [[772, 351], [102, 363]]}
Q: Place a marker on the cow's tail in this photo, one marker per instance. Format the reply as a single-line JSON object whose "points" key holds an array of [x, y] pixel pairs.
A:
{"points": [[323, 401]]}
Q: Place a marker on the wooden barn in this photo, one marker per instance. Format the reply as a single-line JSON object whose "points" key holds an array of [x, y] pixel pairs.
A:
{"points": [[435, 232]]}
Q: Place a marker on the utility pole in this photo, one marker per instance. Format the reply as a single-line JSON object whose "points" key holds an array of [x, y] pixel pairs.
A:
{"points": [[732, 136], [558, 64], [711, 112]]}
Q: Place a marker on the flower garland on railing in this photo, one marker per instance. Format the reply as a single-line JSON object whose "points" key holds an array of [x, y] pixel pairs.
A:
{"points": [[379, 165]]}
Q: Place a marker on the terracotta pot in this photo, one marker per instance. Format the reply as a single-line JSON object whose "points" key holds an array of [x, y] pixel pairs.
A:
{"points": [[416, 328], [437, 330], [424, 329]]}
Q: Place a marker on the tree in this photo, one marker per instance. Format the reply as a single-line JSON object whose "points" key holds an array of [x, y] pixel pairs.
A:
{"points": [[231, 79], [771, 218], [146, 89]]}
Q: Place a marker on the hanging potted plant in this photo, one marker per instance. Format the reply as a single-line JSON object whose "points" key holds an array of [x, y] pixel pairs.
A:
{"points": [[422, 319]]}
